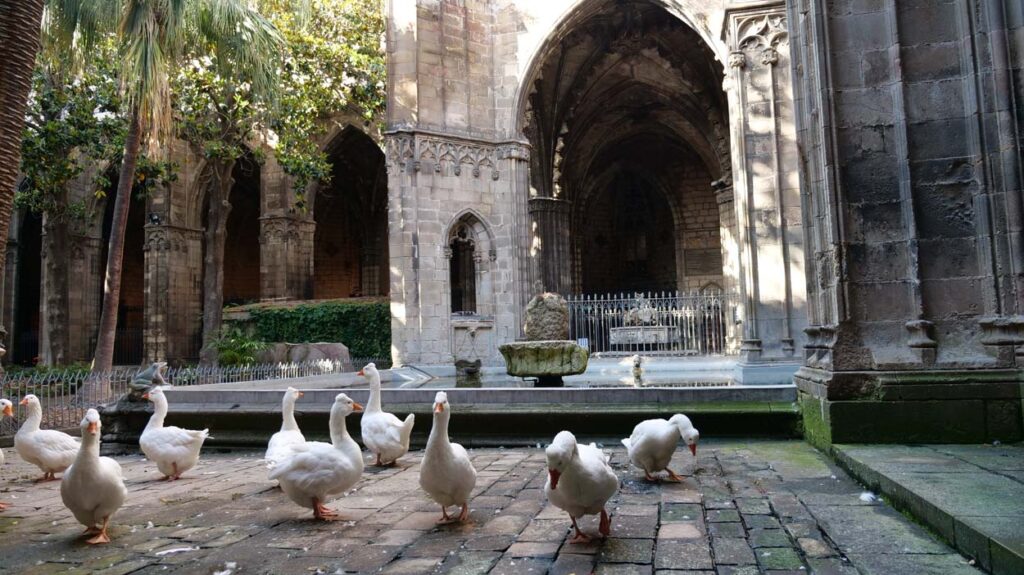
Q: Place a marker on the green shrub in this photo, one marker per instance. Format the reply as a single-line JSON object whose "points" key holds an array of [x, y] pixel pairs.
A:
{"points": [[235, 347], [363, 326]]}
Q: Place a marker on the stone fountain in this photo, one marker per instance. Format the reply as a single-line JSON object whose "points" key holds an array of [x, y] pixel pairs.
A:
{"points": [[547, 354]]}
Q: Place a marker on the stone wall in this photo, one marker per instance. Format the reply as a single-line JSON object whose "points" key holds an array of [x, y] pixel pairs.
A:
{"points": [[909, 115]]}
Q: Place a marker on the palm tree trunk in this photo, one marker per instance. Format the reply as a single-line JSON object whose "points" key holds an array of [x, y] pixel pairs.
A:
{"points": [[104, 357], [19, 42], [218, 209]]}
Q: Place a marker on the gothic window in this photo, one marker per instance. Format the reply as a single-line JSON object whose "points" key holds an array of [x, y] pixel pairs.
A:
{"points": [[463, 272]]}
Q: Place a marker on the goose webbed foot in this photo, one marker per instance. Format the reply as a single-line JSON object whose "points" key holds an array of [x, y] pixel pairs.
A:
{"points": [[101, 535], [673, 477], [579, 537], [322, 512], [605, 527]]}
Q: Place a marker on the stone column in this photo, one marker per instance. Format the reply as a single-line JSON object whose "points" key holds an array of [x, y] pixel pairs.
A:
{"points": [[552, 218], [286, 257], [85, 296], [730, 258], [526, 273], [766, 193], [174, 285]]}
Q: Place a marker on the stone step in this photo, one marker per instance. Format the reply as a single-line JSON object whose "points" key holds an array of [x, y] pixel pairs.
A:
{"points": [[971, 495], [480, 416]]}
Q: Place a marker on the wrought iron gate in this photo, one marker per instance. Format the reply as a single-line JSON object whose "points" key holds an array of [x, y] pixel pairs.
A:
{"points": [[695, 323]]}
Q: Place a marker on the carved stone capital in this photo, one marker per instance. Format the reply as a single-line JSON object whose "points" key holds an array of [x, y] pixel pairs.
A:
{"points": [[416, 151], [737, 59]]}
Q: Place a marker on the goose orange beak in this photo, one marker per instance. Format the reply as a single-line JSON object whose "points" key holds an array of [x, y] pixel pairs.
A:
{"points": [[554, 474], [145, 395], [8, 411], [693, 449], [301, 394], [438, 407], [24, 401], [93, 427], [361, 373], [356, 406]]}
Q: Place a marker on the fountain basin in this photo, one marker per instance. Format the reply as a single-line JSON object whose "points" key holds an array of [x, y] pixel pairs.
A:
{"points": [[546, 360]]}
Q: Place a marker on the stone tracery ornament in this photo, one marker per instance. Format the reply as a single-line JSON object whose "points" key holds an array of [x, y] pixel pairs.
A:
{"points": [[763, 31], [737, 59]]}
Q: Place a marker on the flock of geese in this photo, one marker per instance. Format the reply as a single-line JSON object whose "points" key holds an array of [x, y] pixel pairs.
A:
{"points": [[580, 479]]}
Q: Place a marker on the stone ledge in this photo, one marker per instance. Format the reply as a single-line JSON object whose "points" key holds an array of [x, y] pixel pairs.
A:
{"points": [[967, 494]]}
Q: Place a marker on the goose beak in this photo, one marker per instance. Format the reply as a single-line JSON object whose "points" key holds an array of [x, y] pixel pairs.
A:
{"points": [[93, 427], [301, 394], [554, 474], [438, 407], [361, 373], [24, 401], [145, 395], [356, 406], [693, 449], [8, 411]]}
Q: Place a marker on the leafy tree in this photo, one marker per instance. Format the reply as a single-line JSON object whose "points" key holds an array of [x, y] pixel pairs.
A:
{"points": [[73, 124], [221, 98], [334, 62]]}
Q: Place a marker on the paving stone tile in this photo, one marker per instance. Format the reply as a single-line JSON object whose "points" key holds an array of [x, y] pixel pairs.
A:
{"points": [[572, 564], [469, 563], [723, 516], [749, 506], [515, 566], [674, 554], [815, 547], [617, 550], [490, 542], [533, 549], [778, 558], [411, 566], [739, 570], [761, 522], [680, 512], [768, 538], [634, 527], [732, 551], [727, 529], [681, 530]]}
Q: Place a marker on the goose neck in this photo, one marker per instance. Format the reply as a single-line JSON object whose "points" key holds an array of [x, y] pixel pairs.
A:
{"points": [[288, 414], [159, 412], [373, 405], [439, 431], [34, 417]]}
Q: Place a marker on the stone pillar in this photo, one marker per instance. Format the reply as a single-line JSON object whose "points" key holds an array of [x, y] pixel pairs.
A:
{"points": [[766, 193], [174, 288], [552, 218], [286, 257], [85, 296], [526, 273], [730, 259]]}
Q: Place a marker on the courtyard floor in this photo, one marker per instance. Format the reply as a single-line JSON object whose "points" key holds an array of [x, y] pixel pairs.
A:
{"points": [[744, 507]]}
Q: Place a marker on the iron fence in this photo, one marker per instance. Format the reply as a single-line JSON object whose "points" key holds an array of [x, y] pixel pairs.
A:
{"points": [[695, 323], [65, 394]]}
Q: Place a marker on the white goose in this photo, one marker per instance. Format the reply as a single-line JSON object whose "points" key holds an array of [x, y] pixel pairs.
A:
{"points": [[49, 450], [6, 410], [382, 432], [173, 449], [654, 441], [446, 474], [580, 481], [316, 470], [93, 487], [282, 442]]}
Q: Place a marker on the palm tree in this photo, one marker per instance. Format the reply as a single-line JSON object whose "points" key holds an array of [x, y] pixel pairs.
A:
{"points": [[19, 42]]}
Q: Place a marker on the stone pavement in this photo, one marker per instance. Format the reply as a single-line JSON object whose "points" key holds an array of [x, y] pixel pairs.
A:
{"points": [[972, 495], [745, 507]]}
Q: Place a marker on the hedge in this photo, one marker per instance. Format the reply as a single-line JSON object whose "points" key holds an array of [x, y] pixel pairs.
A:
{"points": [[364, 326]]}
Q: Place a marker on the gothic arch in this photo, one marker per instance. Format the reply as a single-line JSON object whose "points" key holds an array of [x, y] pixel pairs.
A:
{"points": [[469, 252]]}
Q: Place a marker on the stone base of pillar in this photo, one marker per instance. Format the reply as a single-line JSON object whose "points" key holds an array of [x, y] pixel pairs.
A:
{"points": [[764, 372], [919, 406]]}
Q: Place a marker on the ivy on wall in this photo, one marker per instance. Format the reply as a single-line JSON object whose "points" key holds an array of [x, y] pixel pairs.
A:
{"points": [[363, 326]]}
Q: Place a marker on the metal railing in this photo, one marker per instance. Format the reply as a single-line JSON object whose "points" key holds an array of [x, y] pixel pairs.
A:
{"points": [[65, 394], [675, 323]]}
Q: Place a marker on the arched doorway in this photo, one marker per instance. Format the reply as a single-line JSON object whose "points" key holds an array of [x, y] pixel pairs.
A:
{"points": [[242, 255], [27, 290], [128, 339], [629, 127], [351, 214]]}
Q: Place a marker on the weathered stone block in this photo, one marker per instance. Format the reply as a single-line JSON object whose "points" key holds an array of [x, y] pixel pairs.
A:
{"points": [[541, 358]]}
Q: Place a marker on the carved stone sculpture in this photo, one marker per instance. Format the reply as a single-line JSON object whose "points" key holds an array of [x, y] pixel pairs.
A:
{"points": [[547, 318]]}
